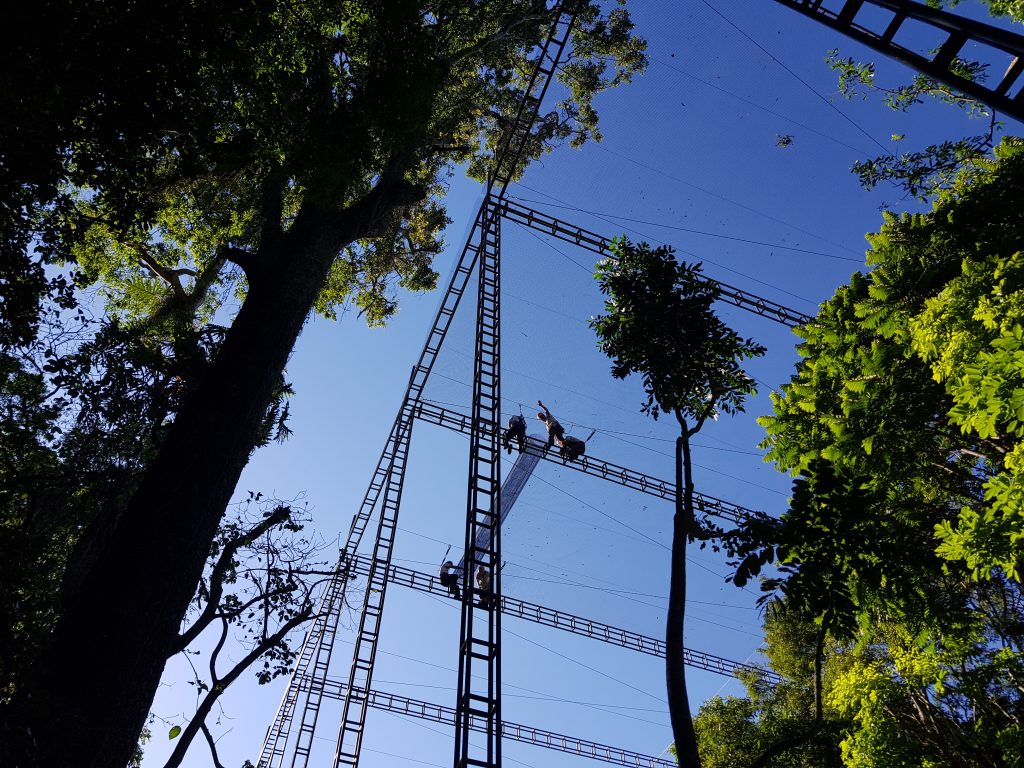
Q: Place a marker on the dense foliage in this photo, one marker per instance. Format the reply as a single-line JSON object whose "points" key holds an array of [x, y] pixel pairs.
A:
{"points": [[904, 540], [734, 731], [216, 171], [912, 379], [891, 696]]}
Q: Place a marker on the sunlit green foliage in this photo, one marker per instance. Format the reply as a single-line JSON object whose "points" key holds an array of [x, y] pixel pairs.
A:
{"points": [[899, 694], [904, 538], [953, 699], [309, 107], [734, 731], [912, 380]]}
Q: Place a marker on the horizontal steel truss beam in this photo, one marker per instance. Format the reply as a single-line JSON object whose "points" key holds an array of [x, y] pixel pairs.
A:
{"points": [[577, 625], [601, 245], [403, 705], [958, 30], [588, 465]]}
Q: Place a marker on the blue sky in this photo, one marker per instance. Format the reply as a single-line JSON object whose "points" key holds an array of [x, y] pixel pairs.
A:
{"points": [[690, 159]]}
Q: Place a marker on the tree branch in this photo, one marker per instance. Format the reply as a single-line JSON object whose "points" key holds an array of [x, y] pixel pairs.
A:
{"points": [[217, 688], [170, 276], [210, 613], [243, 258], [186, 303], [374, 214], [704, 417], [263, 597], [500, 36], [213, 746]]}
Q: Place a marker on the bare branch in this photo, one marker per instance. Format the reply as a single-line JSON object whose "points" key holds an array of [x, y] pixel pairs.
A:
{"points": [[210, 613], [213, 746], [170, 276], [217, 689]]}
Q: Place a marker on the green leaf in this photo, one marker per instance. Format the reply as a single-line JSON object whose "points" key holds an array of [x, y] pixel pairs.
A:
{"points": [[174, 733]]}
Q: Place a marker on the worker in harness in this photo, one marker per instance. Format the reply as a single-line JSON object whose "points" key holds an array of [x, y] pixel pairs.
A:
{"points": [[516, 431], [483, 583], [572, 448], [555, 431], [450, 579]]}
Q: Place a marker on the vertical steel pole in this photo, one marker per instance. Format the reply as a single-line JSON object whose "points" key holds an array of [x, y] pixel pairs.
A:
{"points": [[479, 684]]}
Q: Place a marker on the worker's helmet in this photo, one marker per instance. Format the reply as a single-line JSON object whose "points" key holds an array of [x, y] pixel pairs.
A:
{"points": [[542, 417], [448, 562]]}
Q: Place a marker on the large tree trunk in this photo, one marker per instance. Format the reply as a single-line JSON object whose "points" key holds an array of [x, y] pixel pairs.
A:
{"points": [[122, 616], [675, 668]]}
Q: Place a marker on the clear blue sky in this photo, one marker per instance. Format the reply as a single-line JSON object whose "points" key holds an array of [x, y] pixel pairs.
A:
{"points": [[691, 146]]}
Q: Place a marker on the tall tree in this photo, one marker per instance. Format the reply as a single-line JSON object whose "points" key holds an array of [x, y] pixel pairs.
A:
{"points": [[660, 325], [312, 169]]}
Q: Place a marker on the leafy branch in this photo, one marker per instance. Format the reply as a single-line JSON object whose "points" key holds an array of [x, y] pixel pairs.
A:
{"points": [[259, 588]]}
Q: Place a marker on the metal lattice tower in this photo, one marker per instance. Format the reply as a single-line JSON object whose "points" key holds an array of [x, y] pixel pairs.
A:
{"points": [[479, 646], [478, 700]]}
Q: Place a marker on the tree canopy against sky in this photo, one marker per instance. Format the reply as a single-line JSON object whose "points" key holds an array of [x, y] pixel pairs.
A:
{"points": [[297, 160], [909, 379], [742, 130], [735, 730], [899, 693]]}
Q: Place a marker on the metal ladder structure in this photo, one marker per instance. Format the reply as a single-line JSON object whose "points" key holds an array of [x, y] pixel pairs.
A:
{"points": [[303, 694], [478, 699], [479, 695], [848, 16]]}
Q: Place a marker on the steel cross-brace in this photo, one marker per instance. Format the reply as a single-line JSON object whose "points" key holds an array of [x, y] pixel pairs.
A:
{"points": [[578, 625], [526, 734], [941, 63], [590, 465], [601, 245]]}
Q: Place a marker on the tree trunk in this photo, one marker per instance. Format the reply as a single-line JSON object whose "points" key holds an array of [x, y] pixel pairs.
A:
{"points": [[121, 616], [675, 668]]}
